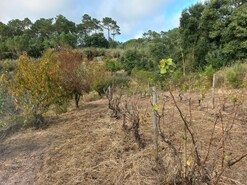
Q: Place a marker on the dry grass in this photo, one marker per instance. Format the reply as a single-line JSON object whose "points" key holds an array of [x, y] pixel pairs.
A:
{"points": [[86, 146]]}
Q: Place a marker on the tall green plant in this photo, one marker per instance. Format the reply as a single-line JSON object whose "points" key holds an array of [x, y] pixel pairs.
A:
{"points": [[235, 76]]}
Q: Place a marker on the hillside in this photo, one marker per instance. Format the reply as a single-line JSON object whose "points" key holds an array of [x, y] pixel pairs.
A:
{"points": [[86, 146]]}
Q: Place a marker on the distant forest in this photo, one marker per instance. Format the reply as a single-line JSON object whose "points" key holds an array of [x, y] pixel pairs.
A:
{"points": [[18, 36], [211, 33]]}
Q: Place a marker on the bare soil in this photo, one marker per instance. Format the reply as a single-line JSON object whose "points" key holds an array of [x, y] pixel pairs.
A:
{"points": [[87, 146]]}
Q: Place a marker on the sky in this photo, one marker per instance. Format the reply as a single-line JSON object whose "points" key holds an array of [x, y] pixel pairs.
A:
{"points": [[134, 17]]}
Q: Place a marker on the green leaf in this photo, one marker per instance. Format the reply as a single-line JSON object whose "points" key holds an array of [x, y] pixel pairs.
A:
{"points": [[163, 70], [162, 63], [155, 107], [169, 61]]}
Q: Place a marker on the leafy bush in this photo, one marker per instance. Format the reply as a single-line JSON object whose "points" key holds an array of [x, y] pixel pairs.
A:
{"points": [[208, 74], [74, 74], [216, 59], [135, 59], [235, 76], [113, 53], [142, 76], [61, 107], [178, 79], [79, 77], [96, 40], [102, 85], [92, 96], [113, 65], [88, 53], [36, 86], [7, 108], [8, 65], [120, 81]]}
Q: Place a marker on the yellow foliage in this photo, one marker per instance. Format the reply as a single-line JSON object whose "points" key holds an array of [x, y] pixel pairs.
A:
{"points": [[188, 163], [35, 85]]}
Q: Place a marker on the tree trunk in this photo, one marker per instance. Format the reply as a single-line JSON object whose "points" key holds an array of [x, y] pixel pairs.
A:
{"points": [[77, 99], [108, 30], [38, 121]]}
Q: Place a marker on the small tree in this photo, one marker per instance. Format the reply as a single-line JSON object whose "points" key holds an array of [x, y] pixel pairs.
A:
{"points": [[78, 76], [35, 85], [74, 74]]}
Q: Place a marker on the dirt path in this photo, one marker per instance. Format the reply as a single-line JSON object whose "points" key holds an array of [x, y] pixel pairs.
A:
{"points": [[56, 154]]}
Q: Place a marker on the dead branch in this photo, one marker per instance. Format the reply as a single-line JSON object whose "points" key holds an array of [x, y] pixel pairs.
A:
{"points": [[113, 103], [198, 159], [211, 139], [132, 114]]}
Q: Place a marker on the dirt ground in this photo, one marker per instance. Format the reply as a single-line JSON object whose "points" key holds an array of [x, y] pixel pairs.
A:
{"points": [[87, 146]]}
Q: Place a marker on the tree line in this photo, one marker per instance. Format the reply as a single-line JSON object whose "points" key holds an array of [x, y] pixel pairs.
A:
{"points": [[18, 36], [210, 34]]}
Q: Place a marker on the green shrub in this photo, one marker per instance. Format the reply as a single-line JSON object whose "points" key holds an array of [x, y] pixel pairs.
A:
{"points": [[7, 108], [119, 81], [219, 81], [142, 76], [177, 78], [235, 75], [61, 107], [209, 72], [135, 59], [8, 65], [88, 53], [113, 65], [113, 53], [217, 59], [92, 96], [101, 86]]}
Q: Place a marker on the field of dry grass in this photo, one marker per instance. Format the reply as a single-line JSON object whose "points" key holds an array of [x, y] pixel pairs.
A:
{"points": [[87, 146]]}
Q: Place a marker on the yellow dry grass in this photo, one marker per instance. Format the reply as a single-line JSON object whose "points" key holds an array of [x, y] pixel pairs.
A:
{"points": [[88, 147]]}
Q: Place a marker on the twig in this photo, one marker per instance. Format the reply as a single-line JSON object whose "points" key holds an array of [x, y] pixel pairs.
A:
{"points": [[234, 118], [211, 139], [188, 128], [231, 163], [223, 141]]}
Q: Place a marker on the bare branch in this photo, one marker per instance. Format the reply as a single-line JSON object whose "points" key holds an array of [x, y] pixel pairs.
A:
{"points": [[189, 130]]}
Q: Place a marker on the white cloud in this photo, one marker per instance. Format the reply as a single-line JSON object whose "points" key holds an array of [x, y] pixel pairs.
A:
{"points": [[138, 35], [130, 13], [133, 16], [129, 9], [33, 9], [203, 1], [175, 20]]}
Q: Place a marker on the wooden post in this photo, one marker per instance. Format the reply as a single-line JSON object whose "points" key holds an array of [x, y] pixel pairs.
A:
{"points": [[213, 92], [185, 152], [155, 123]]}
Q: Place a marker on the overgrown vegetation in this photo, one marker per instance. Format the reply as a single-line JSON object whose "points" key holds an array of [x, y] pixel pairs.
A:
{"points": [[59, 61], [35, 86], [235, 76]]}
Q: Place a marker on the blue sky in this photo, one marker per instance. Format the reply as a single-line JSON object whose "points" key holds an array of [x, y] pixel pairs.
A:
{"points": [[133, 16]]}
